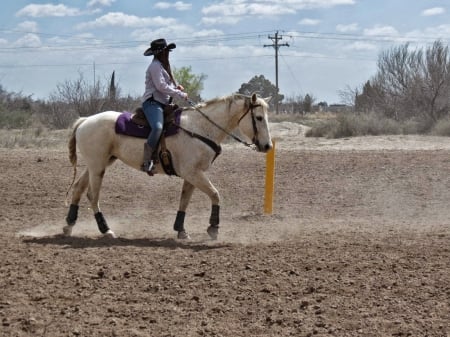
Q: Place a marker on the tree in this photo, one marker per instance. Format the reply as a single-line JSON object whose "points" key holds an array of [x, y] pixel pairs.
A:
{"points": [[193, 84], [300, 104], [262, 86], [308, 102], [112, 93], [409, 83], [369, 99]]}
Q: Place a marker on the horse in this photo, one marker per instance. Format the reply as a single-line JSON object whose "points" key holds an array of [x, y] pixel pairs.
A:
{"points": [[202, 128]]}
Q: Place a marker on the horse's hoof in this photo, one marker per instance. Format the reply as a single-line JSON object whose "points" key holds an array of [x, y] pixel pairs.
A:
{"points": [[183, 235], [67, 230], [109, 234], [213, 232]]}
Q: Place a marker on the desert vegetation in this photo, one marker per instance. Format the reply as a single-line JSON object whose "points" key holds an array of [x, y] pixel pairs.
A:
{"points": [[409, 94]]}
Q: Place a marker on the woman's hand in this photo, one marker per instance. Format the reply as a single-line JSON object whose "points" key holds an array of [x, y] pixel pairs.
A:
{"points": [[180, 87]]}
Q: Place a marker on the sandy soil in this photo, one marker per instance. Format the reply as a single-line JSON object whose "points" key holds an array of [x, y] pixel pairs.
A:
{"points": [[358, 245]]}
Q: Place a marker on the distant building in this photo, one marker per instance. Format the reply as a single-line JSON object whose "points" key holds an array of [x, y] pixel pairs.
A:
{"points": [[339, 108]]}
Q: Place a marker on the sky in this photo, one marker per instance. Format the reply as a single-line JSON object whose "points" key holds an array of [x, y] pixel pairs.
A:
{"points": [[326, 46]]}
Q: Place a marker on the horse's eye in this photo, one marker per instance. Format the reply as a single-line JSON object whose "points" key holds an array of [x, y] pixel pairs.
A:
{"points": [[259, 118]]}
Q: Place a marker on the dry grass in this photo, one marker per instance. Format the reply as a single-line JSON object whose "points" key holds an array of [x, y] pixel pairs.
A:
{"points": [[353, 124], [441, 128], [327, 125], [33, 138], [311, 120]]}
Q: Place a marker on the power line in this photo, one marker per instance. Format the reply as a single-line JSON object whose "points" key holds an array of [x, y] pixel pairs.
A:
{"points": [[88, 43], [291, 72]]}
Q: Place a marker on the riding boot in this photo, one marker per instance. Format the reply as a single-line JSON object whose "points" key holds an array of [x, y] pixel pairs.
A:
{"points": [[148, 162]]}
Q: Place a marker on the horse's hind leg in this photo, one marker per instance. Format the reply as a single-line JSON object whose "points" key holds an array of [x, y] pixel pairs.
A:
{"points": [[186, 194], [78, 189], [95, 183]]}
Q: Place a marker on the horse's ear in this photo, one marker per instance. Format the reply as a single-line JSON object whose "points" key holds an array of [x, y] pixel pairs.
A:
{"points": [[254, 98], [267, 99]]}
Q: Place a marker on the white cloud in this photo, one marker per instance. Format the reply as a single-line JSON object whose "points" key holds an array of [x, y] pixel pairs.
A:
{"points": [[429, 34], [35, 10], [361, 46], [208, 33], [217, 20], [28, 40], [441, 31], [433, 11], [171, 31], [78, 39], [379, 30], [28, 26], [247, 8], [179, 5], [353, 27], [269, 7], [309, 22], [240, 9], [100, 3], [311, 4], [124, 20]]}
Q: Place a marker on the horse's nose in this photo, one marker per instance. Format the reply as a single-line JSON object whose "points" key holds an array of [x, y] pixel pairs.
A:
{"points": [[267, 147]]}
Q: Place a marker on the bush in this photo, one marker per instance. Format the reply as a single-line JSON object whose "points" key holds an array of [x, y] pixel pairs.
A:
{"points": [[441, 128], [16, 119], [354, 124]]}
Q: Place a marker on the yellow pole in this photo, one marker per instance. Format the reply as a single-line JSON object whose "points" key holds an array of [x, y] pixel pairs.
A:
{"points": [[270, 179]]}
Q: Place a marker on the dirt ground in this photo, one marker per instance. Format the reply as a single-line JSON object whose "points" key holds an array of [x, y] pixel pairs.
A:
{"points": [[358, 245]]}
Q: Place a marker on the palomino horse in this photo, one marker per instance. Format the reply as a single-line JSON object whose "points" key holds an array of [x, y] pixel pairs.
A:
{"points": [[193, 149]]}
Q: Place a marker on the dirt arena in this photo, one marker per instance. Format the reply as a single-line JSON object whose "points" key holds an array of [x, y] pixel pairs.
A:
{"points": [[358, 245]]}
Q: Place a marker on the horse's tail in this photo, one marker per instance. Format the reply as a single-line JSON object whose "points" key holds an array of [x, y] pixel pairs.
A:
{"points": [[72, 145]]}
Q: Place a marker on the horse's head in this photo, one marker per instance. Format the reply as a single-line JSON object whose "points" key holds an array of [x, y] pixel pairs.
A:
{"points": [[254, 124]]}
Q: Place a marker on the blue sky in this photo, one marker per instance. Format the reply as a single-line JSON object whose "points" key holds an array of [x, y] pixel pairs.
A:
{"points": [[333, 44]]}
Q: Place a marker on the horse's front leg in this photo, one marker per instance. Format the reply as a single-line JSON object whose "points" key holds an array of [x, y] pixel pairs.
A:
{"points": [[186, 194], [200, 181]]}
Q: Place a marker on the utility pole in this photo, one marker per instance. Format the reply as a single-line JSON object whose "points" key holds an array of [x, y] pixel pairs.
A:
{"points": [[94, 72], [276, 45]]}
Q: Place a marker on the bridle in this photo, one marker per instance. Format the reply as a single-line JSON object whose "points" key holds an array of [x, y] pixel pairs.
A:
{"points": [[250, 109]]}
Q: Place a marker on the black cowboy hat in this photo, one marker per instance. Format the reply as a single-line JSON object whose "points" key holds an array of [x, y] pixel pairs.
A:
{"points": [[157, 46]]}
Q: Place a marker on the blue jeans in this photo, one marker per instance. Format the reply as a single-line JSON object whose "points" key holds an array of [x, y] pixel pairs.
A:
{"points": [[155, 116]]}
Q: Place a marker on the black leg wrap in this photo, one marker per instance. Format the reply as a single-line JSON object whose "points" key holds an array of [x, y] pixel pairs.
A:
{"points": [[101, 222], [179, 221], [72, 215], [214, 219]]}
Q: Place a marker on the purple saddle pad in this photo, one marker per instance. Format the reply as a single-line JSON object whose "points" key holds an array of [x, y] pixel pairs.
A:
{"points": [[125, 126]]}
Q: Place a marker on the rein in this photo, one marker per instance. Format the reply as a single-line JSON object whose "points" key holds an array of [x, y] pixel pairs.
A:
{"points": [[250, 109]]}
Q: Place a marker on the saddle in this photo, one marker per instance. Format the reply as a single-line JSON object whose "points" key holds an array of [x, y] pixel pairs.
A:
{"points": [[139, 118], [136, 125]]}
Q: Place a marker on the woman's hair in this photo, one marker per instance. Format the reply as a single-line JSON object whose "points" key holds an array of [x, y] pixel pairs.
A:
{"points": [[163, 57]]}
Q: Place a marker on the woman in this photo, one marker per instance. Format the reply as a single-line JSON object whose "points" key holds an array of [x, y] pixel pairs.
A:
{"points": [[160, 89]]}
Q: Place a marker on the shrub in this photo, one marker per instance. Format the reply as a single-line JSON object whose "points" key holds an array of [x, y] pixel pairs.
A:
{"points": [[16, 119], [441, 128], [354, 124], [323, 129]]}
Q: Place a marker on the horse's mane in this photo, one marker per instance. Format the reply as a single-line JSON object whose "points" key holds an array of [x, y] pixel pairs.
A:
{"points": [[229, 98]]}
